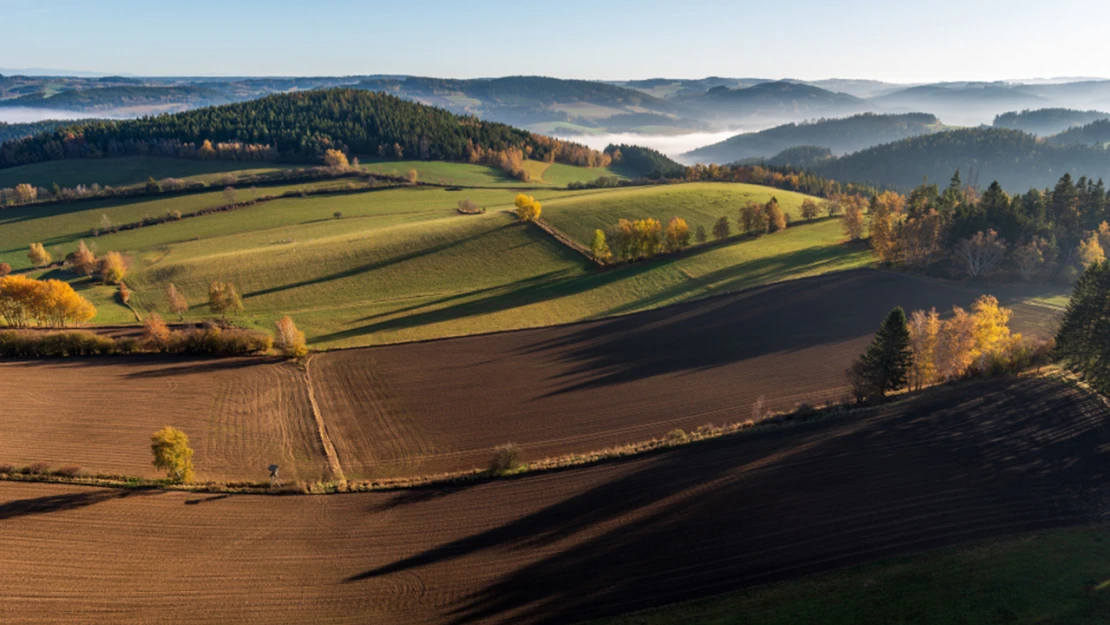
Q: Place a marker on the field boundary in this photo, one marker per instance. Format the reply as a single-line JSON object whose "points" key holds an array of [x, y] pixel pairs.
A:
{"points": [[673, 439]]}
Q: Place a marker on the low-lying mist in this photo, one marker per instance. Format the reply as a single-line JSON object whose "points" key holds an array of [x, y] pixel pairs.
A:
{"points": [[24, 115], [671, 145]]}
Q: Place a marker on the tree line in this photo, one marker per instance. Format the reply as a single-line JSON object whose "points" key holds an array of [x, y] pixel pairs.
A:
{"points": [[1035, 235]]}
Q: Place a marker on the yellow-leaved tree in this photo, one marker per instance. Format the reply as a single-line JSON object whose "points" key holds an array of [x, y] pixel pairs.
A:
{"points": [[992, 330], [172, 454], [112, 268], [38, 255], [527, 208], [335, 158], [289, 340], [924, 330], [45, 302]]}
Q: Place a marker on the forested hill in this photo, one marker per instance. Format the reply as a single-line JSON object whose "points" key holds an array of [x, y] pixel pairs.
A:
{"points": [[1013, 158], [1047, 121], [300, 126], [1096, 133], [9, 132], [112, 98], [839, 135]]}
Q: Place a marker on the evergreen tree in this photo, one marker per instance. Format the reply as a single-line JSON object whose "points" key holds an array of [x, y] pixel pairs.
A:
{"points": [[1084, 337], [886, 362]]}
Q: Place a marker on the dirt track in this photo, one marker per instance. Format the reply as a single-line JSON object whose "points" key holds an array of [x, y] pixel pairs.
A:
{"points": [[444, 405], [994, 458]]}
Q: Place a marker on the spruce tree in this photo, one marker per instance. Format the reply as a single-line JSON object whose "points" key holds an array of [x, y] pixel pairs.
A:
{"points": [[886, 362], [1084, 337]]}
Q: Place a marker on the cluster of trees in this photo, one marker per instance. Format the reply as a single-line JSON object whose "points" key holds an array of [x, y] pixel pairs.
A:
{"points": [[1083, 341], [780, 177], [640, 239], [46, 303], [1048, 121], [299, 126], [925, 349], [1033, 235], [645, 162], [9, 132], [110, 268]]}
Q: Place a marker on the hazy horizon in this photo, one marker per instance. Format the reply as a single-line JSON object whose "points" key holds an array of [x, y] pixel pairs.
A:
{"points": [[583, 40]]}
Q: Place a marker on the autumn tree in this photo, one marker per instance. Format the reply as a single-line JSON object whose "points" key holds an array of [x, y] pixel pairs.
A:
{"points": [[924, 328], [599, 249], [411, 176], [722, 229], [527, 208], [649, 237], [206, 151], [919, 239], [172, 454], [112, 268], [38, 255], [82, 261], [981, 255], [1090, 251], [336, 159], [224, 299], [991, 336], [776, 219], [289, 340], [1083, 341], [156, 334], [178, 305], [45, 302], [955, 344], [1030, 258], [753, 219], [853, 220], [677, 234], [5, 269], [809, 209], [25, 193], [887, 361], [883, 226]]}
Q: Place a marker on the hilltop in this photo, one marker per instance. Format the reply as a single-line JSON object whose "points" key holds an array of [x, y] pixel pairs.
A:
{"points": [[772, 102], [1046, 122]]}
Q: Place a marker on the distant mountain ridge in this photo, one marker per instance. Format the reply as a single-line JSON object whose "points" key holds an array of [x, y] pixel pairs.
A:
{"points": [[1048, 121], [840, 136]]}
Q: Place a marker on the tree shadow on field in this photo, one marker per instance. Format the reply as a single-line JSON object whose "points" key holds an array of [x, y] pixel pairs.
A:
{"points": [[378, 264], [717, 331], [62, 503], [215, 365], [988, 459]]}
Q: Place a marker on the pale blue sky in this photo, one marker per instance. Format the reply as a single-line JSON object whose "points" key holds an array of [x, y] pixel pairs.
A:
{"points": [[807, 39]]}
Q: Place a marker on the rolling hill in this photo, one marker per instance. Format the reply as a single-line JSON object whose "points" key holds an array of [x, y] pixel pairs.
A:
{"points": [[839, 135], [772, 103], [1046, 122], [1096, 133]]}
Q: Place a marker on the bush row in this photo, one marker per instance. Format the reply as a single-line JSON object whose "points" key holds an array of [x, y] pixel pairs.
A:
{"points": [[206, 341]]}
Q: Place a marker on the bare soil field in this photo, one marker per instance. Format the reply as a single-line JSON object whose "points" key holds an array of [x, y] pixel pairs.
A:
{"points": [[444, 405], [993, 458], [98, 413]]}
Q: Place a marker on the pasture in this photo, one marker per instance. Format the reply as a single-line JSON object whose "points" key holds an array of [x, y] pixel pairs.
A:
{"points": [[125, 170], [476, 175], [1003, 457]]}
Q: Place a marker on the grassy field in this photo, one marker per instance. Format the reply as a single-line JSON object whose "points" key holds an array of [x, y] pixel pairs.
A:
{"points": [[59, 226], [700, 204], [473, 175], [125, 170], [402, 264], [1055, 578]]}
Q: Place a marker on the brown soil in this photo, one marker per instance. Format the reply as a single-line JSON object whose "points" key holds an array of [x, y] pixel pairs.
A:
{"points": [[995, 458], [241, 415], [444, 405]]}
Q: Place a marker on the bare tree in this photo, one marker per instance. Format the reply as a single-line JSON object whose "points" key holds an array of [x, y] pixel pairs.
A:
{"points": [[980, 255]]}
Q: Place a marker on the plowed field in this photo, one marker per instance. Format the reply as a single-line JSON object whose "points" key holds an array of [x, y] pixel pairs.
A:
{"points": [[994, 458], [241, 415], [444, 405]]}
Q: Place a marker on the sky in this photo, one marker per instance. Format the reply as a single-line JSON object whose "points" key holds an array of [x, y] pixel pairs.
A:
{"points": [[891, 40]]}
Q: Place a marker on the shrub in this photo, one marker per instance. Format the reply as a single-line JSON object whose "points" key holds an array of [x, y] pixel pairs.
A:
{"points": [[5, 269], [39, 468], [804, 409], [213, 341], [15, 344], [124, 294], [68, 471], [338, 214], [112, 268], [156, 334], [675, 436], [38, 255], [7, 469], [505, 458]]}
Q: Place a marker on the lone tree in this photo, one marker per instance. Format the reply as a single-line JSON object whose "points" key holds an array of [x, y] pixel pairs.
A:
{"points": [[172, 454], [1083, 341], [38, 255], [721, 229], [112, 268], [177, 302], [887, 361], [600, 248], [289, 340], [527, 208], [223, 299]]}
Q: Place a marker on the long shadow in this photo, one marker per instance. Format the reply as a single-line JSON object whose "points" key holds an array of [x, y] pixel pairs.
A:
{"points": [[996, 458], [205, 366], [393, 260], [716, 331], [61, 503]]}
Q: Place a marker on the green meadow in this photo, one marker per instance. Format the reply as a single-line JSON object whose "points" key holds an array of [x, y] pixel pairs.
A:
{"points": [[126, 170]]}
